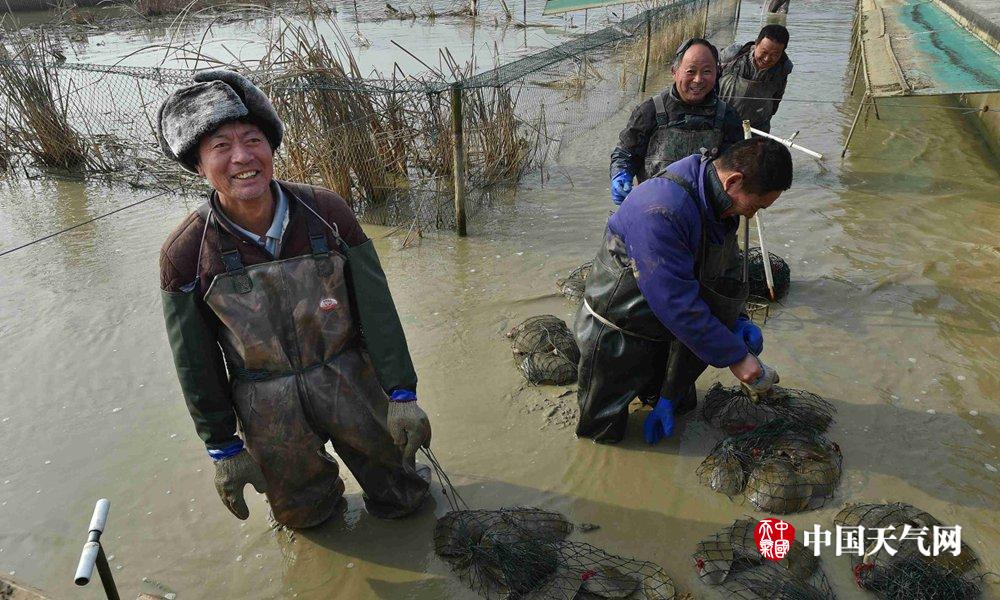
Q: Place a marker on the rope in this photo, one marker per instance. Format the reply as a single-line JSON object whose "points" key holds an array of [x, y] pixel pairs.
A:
{"points": [[455, 500], [72, 227]]}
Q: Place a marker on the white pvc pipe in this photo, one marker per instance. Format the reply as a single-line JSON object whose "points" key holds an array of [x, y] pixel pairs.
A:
{"points": [[747, 131], [765, 256], [788, 143]]}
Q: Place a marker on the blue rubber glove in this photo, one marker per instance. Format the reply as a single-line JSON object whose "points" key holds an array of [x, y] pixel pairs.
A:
{"points": [[621, 185], [660, 422], [751, 335]]}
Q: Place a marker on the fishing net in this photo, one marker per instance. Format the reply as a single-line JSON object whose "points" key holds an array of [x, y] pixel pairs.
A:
{"points": [[572, 285], [780, 469], [758, 309], [734, 411], [545, 350], [730, 559], [523, 553], [780, 271], [906, 572]]}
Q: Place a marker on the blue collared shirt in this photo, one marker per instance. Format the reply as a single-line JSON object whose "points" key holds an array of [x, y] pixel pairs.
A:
{"points": [[271, 241]]}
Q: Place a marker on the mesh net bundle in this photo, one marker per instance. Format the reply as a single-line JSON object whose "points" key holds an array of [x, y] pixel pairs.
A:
{"points": [[734, 411], [545, 350], [780, 271], [572, 285], [523, 553], [780, 469], [730, 559], [909, 573]]}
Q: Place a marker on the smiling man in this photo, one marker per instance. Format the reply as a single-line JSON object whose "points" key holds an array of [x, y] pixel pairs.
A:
{"points": [[283, 331], [686, 119], [666, 294], [754, 76]]}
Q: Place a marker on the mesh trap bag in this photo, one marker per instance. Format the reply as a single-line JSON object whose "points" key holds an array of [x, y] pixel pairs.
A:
{"points": [[780, 469], [758, 280], [909, 573], [545, 350], [734, 411], [573, 284], [730, 559], [523, 553]]}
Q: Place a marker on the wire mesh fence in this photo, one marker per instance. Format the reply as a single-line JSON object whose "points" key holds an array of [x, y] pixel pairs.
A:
{"points": [[384, 143]]}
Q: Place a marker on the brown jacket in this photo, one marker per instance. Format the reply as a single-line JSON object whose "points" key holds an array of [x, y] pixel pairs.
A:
{"points": [[193, 329], [179, 255]]}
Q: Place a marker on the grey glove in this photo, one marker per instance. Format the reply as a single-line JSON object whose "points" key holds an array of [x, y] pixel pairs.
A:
{"points": [[231, 474], [409, 428], [761, 388]]}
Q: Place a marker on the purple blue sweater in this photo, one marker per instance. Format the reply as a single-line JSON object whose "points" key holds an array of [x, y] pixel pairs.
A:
{"points": [[661, 228]]}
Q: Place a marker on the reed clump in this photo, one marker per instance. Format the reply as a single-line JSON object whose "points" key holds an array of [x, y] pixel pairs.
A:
{"points": [[36, 119]]}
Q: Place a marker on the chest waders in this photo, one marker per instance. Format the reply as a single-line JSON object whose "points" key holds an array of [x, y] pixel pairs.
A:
{"points": [[625, 351], [752, 99], [674, 140], [300, 377]]}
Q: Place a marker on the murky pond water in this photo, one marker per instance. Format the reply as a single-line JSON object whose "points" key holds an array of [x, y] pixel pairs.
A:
{"points": [[893, 314]]}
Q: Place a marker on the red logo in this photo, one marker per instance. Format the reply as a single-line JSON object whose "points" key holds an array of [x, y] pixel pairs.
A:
{"points": [[774, 538], [328, 304]]}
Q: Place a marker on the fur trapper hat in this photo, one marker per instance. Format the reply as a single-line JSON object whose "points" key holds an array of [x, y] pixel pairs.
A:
{"points": [[218, 97]]}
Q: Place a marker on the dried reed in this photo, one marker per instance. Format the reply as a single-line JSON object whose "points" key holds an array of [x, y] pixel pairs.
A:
{"points": [[36, 120]]}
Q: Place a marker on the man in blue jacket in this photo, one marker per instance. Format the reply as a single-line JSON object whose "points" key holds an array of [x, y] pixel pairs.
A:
{"points": [[667, 291]]}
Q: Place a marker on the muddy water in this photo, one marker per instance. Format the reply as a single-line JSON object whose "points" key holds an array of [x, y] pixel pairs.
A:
{"points": [[364, 30], [892, 314]]}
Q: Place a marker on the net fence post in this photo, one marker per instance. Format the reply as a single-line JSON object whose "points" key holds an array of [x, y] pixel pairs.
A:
{"points": [[458, 157], [645, 62], [736, 19], [704, 29]]}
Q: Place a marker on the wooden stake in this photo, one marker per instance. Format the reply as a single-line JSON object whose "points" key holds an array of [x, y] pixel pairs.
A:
{"points": [[850, 133], [458, 157], [736, 22], [645, 62]]}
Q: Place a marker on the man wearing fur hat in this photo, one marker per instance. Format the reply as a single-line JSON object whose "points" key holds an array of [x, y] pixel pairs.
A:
{"points": [[281, 322]]}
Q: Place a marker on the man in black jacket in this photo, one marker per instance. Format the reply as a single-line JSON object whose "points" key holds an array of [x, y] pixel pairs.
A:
{"points": [[754, 76], [686, 119]]}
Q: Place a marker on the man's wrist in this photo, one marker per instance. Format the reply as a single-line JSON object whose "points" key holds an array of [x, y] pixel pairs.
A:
{"points": [[227, 451], [403, 396]]}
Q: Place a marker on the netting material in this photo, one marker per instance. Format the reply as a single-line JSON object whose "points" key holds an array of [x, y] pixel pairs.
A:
{"points": [[730, 559], [909, 574], [780, 271], [734, 411], [395, 164], [778, 468], [572, 285], [545, 350], [523, 553]]}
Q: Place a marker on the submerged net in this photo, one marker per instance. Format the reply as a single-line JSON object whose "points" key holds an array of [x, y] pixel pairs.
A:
{"points": [[734, 411], [730, 559], [545, 350], [523, 553], [909, 573], [780, 469], [780, 271], [572, 285]]}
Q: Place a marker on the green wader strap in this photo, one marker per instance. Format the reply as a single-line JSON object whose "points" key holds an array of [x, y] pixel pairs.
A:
{"points": [[200, 368], [379, 321]]}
